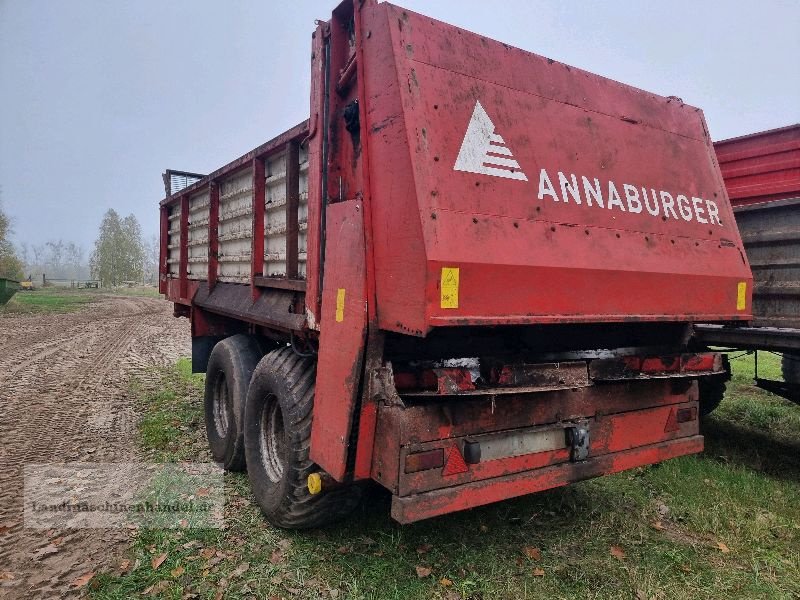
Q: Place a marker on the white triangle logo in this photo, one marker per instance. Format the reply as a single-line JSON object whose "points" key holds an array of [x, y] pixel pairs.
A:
{"points": [[484, 151]]}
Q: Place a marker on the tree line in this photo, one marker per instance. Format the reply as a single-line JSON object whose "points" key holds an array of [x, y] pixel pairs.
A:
{"points": [[120, 255]]}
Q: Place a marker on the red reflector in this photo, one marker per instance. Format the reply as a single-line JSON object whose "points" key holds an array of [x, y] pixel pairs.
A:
{"points": [[672, 422], [455, 463], [422, 461]]}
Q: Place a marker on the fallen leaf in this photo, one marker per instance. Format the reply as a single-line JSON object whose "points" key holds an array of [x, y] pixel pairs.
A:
{"points": [[640, 595], [177, 572], [157, 588], [445, 582], [6, 575], [207, 552], [284, 544], [202, 492], [422, 571], [277, 557], [5, 527], [723, 547], [83, 580], [334, 593], [183, 523], [657, 525], [344, 550], [368, 541], [188, 545], [537, 572], [424, 549], [532, 553], [220, 593], [617, 552], [156, 562], [125, 565], [45, 551], [240, 570], [57, 541]]}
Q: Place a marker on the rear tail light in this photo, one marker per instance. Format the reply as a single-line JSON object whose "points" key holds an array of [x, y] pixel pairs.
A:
{"points": [[422, 461], [687, 414]]}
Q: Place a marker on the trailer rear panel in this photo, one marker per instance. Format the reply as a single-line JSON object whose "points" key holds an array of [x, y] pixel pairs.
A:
{"points": [[522, 190]]}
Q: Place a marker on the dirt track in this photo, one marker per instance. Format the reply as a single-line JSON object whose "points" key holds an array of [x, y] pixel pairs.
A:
{"points": [[64, 397]]}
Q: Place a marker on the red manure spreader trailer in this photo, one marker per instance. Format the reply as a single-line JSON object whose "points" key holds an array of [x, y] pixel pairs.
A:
{"points": [[762, 174], [472, 274]]}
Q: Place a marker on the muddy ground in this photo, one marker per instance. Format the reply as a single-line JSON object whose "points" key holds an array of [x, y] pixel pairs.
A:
{"points": [[64, 396]]}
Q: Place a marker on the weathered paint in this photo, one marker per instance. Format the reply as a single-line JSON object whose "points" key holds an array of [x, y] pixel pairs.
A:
{"points": [[424, 83], [341, 345], [439, 502], [434, 186], [761, 167]]}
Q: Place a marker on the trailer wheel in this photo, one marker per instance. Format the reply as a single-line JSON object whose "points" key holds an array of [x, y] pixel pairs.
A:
{"points": [[277, 437], [712, 388], [790, 365], [230, 368]]}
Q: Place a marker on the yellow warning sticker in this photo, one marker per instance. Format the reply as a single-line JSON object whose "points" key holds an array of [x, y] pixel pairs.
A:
{"points": [[340, 305], [449, 287], [741, 296]]}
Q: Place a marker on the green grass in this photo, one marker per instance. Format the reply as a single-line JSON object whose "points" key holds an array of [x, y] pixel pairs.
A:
{"points": [[724, 524], [142, 291], [48, 300], [64, 300]]}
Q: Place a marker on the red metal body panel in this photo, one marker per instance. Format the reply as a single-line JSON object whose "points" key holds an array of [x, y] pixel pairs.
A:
{"points": [[525, 256], [315, 162], [257, 254], [213, 234], [761, 167], [439, 502], [343, 326], [418, 427]]}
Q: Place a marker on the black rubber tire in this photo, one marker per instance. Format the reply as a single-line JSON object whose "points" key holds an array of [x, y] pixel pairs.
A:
{"points": [[277, 438], [230, 368], [712, 389], [790, 366]]}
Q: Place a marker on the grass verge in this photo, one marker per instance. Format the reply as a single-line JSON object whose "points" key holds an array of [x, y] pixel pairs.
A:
{"points": [[722, 524], [48, 300], [64, 300]]}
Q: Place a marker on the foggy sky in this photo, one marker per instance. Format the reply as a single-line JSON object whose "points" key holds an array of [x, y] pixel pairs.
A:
{"points": [[98, 97]]}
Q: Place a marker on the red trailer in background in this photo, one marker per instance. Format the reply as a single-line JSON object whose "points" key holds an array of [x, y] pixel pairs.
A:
{"points": [[762, 175], [472, 274]]}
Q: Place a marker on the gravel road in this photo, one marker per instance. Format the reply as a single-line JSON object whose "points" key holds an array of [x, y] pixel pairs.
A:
{"points": [[64, 397]]}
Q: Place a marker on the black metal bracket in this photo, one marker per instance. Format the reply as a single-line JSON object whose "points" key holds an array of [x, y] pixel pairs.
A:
{"points": [[578, 440]]}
